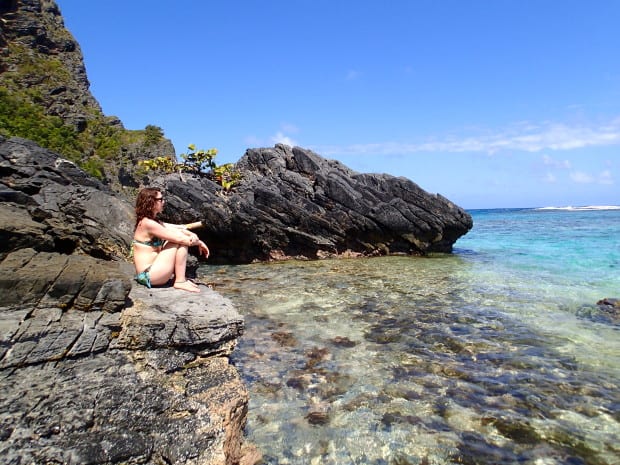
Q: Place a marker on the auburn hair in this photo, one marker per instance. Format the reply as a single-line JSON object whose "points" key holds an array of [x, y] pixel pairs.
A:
{"points": [[145, 204]]}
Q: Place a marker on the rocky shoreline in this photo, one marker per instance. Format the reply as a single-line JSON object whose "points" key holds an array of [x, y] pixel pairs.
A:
{"points": [[96, 369], [148, 383]]}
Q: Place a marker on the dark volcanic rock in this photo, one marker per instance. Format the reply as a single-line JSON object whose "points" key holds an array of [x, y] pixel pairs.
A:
{"points": [[294, 203], [49, 204], [105, 384], [35, 28], [95, 369]]}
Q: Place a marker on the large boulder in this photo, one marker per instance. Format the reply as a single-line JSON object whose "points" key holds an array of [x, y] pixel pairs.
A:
{"points": [[293, 203], [93, 371], [47, 203]]}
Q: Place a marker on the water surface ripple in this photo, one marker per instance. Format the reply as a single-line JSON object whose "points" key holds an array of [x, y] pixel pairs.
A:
{"points": [[437, 360]]}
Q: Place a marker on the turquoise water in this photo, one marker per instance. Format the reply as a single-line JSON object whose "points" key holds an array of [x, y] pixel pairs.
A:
{"points": [[495, 354]]}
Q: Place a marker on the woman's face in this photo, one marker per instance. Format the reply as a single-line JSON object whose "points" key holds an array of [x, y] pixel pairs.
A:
{"points": [[159, 203]]}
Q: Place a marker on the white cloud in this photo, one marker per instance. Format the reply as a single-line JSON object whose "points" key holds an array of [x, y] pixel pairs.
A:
{"points": [[552, 162], [581, 177], [281, 138], [605, 177], [524, 136], [550, 178]]}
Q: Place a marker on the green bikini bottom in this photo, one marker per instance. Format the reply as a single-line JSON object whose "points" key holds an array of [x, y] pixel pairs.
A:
{"points": [[144, 277]]}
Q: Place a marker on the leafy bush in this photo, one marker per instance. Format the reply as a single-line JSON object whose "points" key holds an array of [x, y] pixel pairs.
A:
{"points": [[94, 167], [227, 176], [161, 164], [196, 161]]}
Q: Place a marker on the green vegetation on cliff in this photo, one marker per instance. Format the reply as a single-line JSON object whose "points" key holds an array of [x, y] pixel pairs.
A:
{"points": [[41, 99], [21, 118], [99, 141]]}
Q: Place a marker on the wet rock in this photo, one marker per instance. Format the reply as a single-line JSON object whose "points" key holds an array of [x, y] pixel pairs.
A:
{"points": [[389, 418], [381, 335], [515, 429], [334, 386], [475, 449], [300, 383], [605, 311], [343, 341], [317, 418], [607, 302], [315, 356], [285, 339], [611, 308]]}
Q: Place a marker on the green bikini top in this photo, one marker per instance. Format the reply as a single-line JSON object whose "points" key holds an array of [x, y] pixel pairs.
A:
{"points": [[155, 242]]}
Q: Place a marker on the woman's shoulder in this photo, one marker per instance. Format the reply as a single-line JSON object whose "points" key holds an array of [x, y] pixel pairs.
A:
{"points": [[148, 224]]}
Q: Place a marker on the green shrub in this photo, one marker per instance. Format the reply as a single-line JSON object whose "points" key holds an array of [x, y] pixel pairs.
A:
{"points": [[20, 118], [94, 167], [152, 135], [196, 161]]}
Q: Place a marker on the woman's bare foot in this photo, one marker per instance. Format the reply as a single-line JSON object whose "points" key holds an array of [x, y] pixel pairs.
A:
{"points": [[186, 286]]}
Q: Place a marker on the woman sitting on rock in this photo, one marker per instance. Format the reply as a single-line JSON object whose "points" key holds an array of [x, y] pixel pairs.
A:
{"points": [[160, 249]]}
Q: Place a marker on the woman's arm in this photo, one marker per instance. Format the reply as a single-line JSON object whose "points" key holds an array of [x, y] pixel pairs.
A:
{"points": [[170, 233], [195, 225]]}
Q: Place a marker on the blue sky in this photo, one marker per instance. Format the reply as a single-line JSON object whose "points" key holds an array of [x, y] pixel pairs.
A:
{"points": [[496, 103]]}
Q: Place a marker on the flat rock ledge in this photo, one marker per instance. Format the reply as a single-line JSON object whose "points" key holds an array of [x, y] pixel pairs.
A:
{"points": [[97, 370]]}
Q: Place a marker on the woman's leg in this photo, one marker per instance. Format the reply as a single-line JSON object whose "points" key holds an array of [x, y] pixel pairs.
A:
{"points": [[180, 265], [172, 259]]}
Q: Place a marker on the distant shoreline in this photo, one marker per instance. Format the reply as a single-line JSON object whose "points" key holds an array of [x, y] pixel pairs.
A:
{"points": [[542, 209], [585, 208]]}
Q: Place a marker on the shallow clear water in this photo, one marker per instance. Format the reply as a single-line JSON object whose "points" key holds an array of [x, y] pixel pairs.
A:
{"points": [[496, 354]]}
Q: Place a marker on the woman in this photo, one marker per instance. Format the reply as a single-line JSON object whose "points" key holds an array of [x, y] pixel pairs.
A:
{"points": [[160, 249]]}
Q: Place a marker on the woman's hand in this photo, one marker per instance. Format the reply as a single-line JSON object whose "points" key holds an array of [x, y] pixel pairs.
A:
{"points": [[192, 238], [203, 249]]}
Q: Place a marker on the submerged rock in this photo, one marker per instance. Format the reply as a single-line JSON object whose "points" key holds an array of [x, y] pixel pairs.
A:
{"points": [[610, 309]]}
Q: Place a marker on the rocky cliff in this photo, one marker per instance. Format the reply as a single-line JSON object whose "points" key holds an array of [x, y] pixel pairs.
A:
{"points": [[45, 97], [94, 369], [293, 203], [34, 39]]}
